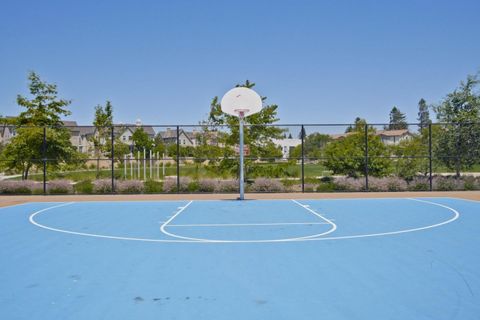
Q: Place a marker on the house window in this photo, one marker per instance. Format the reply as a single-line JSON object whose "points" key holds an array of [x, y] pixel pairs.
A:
{"points": [[124, 138]]}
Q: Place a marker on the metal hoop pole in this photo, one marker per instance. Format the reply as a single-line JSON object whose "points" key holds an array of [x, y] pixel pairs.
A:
{"points": [[242, 197]]}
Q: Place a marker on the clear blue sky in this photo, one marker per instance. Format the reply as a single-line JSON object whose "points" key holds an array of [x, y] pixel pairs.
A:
{"points": [[163, 61]]}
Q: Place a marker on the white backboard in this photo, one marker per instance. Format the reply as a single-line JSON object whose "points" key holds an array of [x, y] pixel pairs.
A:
{"points": [[241, 100]]}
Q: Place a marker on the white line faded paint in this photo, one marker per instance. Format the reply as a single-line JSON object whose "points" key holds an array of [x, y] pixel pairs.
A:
{"points": [[455, 216]]}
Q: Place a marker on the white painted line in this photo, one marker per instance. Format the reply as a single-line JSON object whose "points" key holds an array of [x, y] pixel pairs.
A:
{"points": [[245, 224], [162, 227], [456, 215], [32, 216], [334, 226]]}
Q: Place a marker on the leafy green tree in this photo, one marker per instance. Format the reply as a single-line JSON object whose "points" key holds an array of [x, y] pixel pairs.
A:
{"points": [[347, 155], [257, 134], [159, 145], [359, 124], [458, 145], [398, 120], [142, 141], [185, 151], [411, 156], [313, 146], [120, 149], [423, 114], [258, 131], [101, 140], [45, 109], [26, 150]]}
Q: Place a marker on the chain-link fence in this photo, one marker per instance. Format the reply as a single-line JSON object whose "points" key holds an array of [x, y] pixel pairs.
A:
{"points": [[204, 159]]}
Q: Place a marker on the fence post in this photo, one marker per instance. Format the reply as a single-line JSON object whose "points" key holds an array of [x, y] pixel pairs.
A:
{"points": [[113, 158], [178, 159], [302, 134], [366, 157], [430, 155], [44, 156]]}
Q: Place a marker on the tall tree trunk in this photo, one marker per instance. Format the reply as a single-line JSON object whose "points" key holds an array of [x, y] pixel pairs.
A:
{"points": [[98, 163], [27, 169], [457, 167]]}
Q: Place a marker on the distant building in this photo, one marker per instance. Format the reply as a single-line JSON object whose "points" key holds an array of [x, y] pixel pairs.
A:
{"points": [[79, 136], [7, 132], [394, 137], [286, 145], [388, 137], [186, 139]]}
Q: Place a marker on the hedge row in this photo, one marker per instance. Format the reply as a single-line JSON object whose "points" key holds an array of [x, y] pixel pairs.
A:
{"points": [[186, 185]]}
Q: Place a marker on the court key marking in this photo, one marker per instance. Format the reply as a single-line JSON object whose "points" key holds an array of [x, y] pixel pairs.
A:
{"points": [[455, 216], [327, 221]]}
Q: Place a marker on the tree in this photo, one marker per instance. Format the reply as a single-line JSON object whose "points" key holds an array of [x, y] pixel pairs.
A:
{"points": [[257, 134], [103, 122], [458, 145], [142, 141], [313, 146], [411, 156], [159, 145], [44, 109], [359, 124], [25, 150], [397, 120], [423, 114], [347, 155]]}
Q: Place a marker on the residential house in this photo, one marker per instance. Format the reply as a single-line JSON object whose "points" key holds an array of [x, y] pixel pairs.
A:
{"points": [[186, 139], [388, 137], [287, 145], [7, 132], [394, 137]]}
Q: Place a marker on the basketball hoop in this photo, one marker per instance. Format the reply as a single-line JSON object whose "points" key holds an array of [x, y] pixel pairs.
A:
{"points": [[241, 102]]}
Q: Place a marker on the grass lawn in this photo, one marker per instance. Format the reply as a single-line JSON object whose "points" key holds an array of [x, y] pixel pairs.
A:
{"points": [[195, 171]]}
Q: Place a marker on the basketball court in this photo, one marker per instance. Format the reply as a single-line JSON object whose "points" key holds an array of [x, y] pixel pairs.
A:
{"points": [[392, 258]]}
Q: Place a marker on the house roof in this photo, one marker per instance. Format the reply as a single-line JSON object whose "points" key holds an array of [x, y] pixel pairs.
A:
{"points": [[133, 127], [169, 133], [86, 131], [340, 135], [172, 134], [67, 123], [393, 133]]}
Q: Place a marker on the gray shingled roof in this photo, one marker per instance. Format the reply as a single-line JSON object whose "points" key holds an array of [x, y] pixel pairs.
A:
{"points": [[148, 129]]}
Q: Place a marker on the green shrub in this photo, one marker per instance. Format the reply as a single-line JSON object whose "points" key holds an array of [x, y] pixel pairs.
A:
{"points": [[193, 186], [129, 186], [447, 183], [84, 186], [59, 187], [470, 183], [19, 187], [102, 186], [266, 185], [152, 186], [326, 187], [419, 184]]}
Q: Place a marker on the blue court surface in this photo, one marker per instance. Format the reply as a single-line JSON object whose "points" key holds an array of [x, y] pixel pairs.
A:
{"points": [[258, 259]]}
